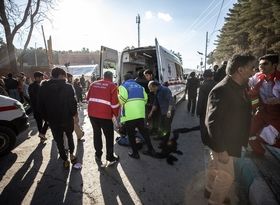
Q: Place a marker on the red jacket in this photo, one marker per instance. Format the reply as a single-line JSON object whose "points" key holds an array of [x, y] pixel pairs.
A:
{"points": [[103, 100]]}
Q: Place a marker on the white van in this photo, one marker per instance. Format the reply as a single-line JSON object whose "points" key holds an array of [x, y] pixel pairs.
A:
{"points": [[13, 121], [166, 67]]}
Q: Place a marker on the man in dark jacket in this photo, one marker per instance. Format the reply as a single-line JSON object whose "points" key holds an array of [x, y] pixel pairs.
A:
{"points": [[227, 120], [12, 86], [33, 91], [58, 106], [221, 72], [165, 105], [204, 91], [191, 90]]}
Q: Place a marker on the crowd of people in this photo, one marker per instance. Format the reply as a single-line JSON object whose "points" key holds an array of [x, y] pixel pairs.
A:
{"points": [[237, 103]]}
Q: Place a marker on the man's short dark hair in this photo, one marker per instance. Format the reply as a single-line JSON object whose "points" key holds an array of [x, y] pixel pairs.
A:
{"points": [[57, 72], [192, 74], [273, 58], [148, 71], [38, 74], [108, 75], [140, 74], [127, 76], [69, 75], [208, 73], [237, 61], [154, 83], [10, 75]]}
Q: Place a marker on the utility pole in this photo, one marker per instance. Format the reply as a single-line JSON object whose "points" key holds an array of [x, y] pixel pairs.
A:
{"points": [[138, 22], [206, 50]]}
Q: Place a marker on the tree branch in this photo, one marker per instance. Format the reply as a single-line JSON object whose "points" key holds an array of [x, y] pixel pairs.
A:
{"points": [[26, 13]]}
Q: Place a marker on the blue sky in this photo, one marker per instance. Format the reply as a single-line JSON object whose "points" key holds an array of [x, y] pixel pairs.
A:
{"points": [[179, 25]]}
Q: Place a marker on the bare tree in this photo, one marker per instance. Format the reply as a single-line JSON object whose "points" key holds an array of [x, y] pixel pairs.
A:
{"points": [[19, 20]]}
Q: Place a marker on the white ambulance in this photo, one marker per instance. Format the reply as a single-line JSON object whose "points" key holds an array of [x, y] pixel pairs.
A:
{"points": [[13, 121], [166, 67]]}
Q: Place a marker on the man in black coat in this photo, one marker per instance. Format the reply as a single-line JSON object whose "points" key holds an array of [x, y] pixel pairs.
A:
{"points": [[12, 86], [191, 89], [221, 72], [204, 91], [33, 91], [227, 120], [58, 106]]}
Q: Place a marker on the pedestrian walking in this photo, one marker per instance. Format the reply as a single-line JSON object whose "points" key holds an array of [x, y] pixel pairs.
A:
{"points": [[77, 128], [133, 99], [204, 91], [58, 106], [191, 89], [103, 105], [227, 120], [33, 91], [78, 90]]}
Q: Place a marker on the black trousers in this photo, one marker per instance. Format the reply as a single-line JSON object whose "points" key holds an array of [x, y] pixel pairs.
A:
{"points": [[203, 131], [57, 131], [106, 125], [41, 124], [192, 105], [165, 127], [130, 129]]}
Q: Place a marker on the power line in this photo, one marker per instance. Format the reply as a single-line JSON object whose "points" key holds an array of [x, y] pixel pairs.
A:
{"points": [[211, 35], [212, 17], [197, 20], [218, 18]]}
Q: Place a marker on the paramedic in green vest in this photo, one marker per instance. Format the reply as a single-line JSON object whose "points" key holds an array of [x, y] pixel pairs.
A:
{"points": [[133, 99]]}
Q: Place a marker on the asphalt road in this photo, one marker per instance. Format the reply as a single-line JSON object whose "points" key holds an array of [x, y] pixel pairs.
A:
{"points": [[33, 172]]}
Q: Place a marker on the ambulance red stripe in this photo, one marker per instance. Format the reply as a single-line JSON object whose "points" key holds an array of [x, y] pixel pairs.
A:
{"points": [[6, 108]]}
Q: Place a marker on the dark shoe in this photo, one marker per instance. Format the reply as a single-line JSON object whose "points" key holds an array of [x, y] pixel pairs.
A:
{"points": [[150, 152], [113, 160], [134, 155], [66, 164], [73, 159]]}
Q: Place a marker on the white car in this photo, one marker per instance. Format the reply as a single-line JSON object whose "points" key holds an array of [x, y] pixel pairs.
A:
{"points": [[13, 121]]}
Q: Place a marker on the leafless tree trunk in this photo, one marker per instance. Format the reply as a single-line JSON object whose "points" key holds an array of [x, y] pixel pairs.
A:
{"points": [[11, 23]]}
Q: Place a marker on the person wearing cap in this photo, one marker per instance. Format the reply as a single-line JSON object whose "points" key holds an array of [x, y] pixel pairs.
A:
{"points": [[204, 91], [33, 91]]}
